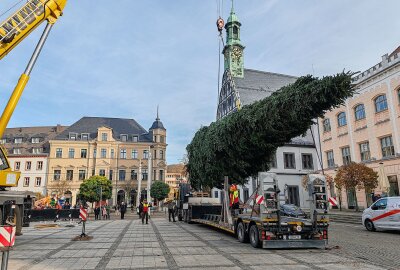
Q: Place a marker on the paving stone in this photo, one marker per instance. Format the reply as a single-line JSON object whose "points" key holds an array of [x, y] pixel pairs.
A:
{"points": [[201, 260], [137, 262]]}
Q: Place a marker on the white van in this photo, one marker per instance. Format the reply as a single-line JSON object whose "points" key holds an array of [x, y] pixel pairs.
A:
{"points": [[383, 214]]}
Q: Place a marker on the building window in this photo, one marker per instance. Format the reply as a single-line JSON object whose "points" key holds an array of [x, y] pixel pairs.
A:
{"points": [[94, 153], [398, 95], [122, 154], [104, 137], [103, 153], [154, 176], [387, 147], [28, 165], [17, 140], [162, 139], [216, 194], [70, 175], [155, 154], [112, 153], [73, 136], [342, 119], [17, 166], [26, 181], [326, 125], [57, 175], [59, 153], [155, 138], [364, 151], [39, 165], [380, 103], [35, 140], [110, 176], [307, 160], [93, 172], [122, 174], [289, 160], [161, 175], [273, 162], [83, 153], [3, 141], [246, 194], [124, 137], [38, 181], [145, 154], [36, 150], [85, 136], [346, 155], [161, 154], [82, 174], [145, 175], [102, 172], [359, 112], [134, 154], [330, 158], [71, 153], [135, 138], [133, 175], [17, 151]]}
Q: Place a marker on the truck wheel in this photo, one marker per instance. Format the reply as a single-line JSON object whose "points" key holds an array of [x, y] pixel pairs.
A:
{"points": [[369, 225], [254, 236], [242, 236]]}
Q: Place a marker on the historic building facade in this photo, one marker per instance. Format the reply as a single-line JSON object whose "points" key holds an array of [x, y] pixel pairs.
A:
{"points": [[119, 149], [241, 86], [366, 129], [175, 175], [28, 150]]}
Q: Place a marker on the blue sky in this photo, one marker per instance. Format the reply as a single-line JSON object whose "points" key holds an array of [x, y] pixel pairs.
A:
{"points": [[122, 58]]}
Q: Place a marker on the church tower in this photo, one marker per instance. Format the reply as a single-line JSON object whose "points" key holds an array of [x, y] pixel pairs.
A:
{"points": [[233, 50]]}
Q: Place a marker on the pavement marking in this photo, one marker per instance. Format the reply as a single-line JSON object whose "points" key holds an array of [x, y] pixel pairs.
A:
{"points": [[166, 252], [223, 253], [55, 251], [107, 257]]}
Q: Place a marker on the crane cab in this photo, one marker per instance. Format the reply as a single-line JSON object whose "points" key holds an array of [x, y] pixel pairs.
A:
{"points": [[8, 178]]}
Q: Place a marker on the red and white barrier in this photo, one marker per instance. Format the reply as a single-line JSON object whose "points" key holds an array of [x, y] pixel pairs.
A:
{"points": [[332, 201], [83, 214], [260, 199], [7, 236]]}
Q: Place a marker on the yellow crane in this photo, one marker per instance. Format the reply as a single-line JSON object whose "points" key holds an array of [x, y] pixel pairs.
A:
{"points": [[12, 31]]}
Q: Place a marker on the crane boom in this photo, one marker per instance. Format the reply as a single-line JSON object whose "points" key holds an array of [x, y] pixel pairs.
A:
{"points": [[20, 24]]}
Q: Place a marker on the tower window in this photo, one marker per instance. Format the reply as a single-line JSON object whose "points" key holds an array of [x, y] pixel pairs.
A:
{"points": [[235, 32]]}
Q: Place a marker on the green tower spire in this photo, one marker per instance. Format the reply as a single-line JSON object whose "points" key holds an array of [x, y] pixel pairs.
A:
{"points": [[233, 50]]}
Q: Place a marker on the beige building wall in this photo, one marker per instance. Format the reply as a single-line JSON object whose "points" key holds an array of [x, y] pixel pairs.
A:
{"points": [[175, 175], [72, 161], [371, 136]]}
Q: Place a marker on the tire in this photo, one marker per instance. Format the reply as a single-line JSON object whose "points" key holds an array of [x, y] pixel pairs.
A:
{"points": [[242, 236], [254, 236], [369, 225]]}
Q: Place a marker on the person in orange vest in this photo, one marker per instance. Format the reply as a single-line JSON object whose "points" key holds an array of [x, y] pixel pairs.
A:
{"points": [[234, 197], [145, 212]]}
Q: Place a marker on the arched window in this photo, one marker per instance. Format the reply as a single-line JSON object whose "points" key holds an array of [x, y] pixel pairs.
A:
{"points": [[398, 95], [327, 125], [342, 119], [359, 112], [380, 103], [235, 32]]}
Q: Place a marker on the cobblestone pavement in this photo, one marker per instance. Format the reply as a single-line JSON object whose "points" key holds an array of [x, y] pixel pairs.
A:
{"points": [[127, 244]]}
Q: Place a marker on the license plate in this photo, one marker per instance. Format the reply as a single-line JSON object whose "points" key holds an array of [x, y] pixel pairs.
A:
{"points": [[294, 237]]}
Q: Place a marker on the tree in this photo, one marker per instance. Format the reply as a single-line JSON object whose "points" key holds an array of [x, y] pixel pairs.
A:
{"points": [[159, 190], [91, 188], [356, 176], [242, 143], [61, 186], [304, 180]]}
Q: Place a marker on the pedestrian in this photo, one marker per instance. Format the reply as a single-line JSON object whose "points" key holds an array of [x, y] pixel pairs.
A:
{"points": [[140, 209], [116, 208], [171, 210], [104, 212], [123, 210], [108, 210], [97, 212], [145, 212]]}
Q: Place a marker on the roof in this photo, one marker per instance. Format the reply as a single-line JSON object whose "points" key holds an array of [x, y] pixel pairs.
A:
{"points": [[118, 125], [157, 125], [256, 85], [44, 133], [176, 168]]}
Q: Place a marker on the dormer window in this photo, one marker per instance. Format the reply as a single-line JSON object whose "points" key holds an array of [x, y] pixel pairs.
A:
{"points": [[17, 151], [104, 137], [85, 136], [124, 137], [73, 136], [17, 140], [135, 138], [35, 140], [37, 150], [3, 141]]}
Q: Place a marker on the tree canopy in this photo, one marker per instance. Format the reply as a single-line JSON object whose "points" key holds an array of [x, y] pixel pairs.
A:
{"points": [[159, 190], [91, 188], [356, 175], [242, 143]]}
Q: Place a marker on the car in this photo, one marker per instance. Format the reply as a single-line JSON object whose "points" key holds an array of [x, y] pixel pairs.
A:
{"points": [[383, 214], [292, 210]]}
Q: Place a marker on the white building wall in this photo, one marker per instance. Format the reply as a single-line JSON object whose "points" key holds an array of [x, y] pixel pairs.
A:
{"points": [[32, 174]]}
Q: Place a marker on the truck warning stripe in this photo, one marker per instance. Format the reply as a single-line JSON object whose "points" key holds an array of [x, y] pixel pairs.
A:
{"points": [[387, 214]]}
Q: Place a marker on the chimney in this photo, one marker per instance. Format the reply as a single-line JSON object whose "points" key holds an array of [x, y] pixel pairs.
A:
{"points": [[58, 128], [385, 58]]}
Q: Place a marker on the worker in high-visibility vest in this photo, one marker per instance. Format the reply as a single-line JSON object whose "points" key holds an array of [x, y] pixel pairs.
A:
{"points": [[145, 212], [234, 197]]}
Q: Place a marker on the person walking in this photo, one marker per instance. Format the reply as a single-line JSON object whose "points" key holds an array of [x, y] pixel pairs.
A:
{"points": [[171, 211], [123, 210], [97, 213], [104, 212], [145, 212]]}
